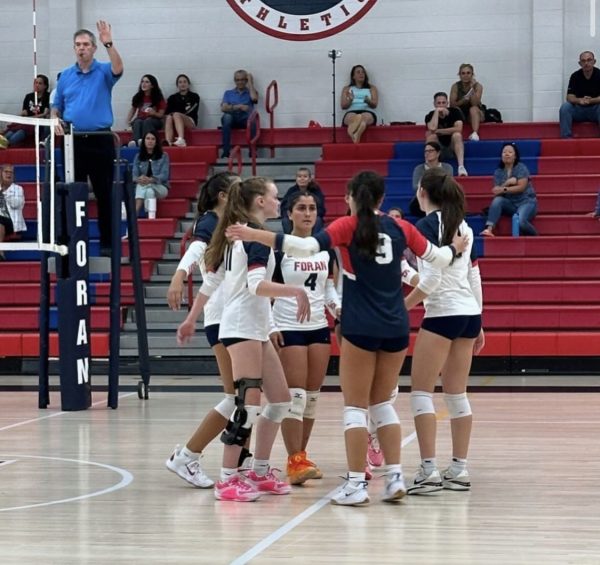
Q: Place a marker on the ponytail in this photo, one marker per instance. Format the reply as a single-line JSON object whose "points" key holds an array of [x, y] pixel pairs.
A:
{"points": [[208, 197], [240, 198], [367, 190], [445, 193]]}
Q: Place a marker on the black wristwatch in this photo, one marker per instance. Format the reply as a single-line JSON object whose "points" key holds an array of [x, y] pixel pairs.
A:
{"points": [[108, 44]]}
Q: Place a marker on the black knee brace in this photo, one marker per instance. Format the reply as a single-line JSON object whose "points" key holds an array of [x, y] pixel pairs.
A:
{"points": [[235, 433]]}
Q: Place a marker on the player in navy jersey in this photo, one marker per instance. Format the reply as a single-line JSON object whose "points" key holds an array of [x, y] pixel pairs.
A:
{"points": [[245, 270], [450, 334], [374, 321], [211, 202], [304, 348]]}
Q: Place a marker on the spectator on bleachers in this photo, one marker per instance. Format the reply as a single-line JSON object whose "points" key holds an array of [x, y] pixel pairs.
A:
{"points": [[304, 183], [182, 112], [432, 153], [16, 134], [150, 174], [12, 201], [583, 95], [237, 106], [444, 125], [359, 99], [513, 193], [396, 212], [147, 110], [465, 95]]}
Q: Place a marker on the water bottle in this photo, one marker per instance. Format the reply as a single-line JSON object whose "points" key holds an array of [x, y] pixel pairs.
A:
{"points": [[515, 224]]}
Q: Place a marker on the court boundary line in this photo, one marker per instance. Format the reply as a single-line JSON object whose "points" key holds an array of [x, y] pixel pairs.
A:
{"points": [[55, 414], [269, 540]]}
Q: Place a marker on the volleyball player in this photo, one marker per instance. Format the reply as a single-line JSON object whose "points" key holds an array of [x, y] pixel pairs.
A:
{"points": [[246, 269], [304, 348], [374, 321], [450, 334], [185, 461]]}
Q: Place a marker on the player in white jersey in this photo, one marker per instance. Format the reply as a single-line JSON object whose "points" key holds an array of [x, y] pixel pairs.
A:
{"points": [[185, 461], [304, 348], [450, 335], [245, 270]]}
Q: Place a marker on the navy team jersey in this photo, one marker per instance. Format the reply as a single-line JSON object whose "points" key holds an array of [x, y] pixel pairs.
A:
{"points": [[205, 226], [372, 298]]}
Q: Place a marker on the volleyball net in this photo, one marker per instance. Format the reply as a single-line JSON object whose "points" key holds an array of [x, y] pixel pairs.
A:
{"points": [[44, 177]]}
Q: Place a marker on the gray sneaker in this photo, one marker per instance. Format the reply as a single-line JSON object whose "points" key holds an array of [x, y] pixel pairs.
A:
{"points": [[352, 493], [188, 469], [453, 481], [425, 483]]}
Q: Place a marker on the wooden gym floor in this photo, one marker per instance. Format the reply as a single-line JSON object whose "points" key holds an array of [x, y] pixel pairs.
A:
{"points": [[91, 487]]}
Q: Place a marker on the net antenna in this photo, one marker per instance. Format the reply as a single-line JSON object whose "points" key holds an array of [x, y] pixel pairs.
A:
{"points": [[40, 245]]}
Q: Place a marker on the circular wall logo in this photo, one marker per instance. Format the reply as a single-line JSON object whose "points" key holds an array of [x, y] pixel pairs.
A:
{"points": [[299, 20]]}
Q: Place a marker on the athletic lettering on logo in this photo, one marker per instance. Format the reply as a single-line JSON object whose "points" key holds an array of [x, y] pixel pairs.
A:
{"points": [[301, 20]]}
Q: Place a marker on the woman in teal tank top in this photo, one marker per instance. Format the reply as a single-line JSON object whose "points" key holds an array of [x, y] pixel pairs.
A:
{"points": [[359, 99]]}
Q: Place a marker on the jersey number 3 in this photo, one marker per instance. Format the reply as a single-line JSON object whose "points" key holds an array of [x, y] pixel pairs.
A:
{"points": [[385, 253]]}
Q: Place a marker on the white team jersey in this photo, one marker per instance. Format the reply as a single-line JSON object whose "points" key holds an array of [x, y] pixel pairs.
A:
{"points": [[194, 258], [245, 315], [452, 288], [312, 274]]}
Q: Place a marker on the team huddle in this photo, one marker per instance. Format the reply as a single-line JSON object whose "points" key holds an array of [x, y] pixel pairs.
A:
{"points": [[265, 296]]}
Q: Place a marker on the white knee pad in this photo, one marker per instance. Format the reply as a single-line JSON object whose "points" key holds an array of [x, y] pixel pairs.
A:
{"points": [[458, 405], [355, 417], [421, 402], [298, 404], [227, 406], [253, 412], [312, 396], [383, 414], [277, 411]]}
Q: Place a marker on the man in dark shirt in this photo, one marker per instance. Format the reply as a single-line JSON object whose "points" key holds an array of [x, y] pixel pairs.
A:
{"points": [[583, 95], [444, 125]]}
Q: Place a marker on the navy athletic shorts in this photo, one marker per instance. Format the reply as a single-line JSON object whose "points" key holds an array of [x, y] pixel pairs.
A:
{"points": [[306, 337], [453, 327]]}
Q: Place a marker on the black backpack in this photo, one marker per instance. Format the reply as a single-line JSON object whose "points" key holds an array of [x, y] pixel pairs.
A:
{"points": [[492, 115]]}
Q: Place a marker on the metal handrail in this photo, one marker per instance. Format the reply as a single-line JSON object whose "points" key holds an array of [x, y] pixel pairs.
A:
{"points": [[254, 119], [236, 153], [270, 108]]}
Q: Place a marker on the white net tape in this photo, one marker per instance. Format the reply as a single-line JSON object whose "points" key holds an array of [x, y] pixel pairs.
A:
{"points": [[39, 244]]}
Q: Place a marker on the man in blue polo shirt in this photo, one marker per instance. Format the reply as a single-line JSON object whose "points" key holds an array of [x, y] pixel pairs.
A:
{"points": [[84, 99], [237, 105]]}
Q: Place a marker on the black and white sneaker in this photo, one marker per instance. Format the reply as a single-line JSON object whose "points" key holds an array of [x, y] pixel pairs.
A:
{"points": [[424, 483], [453, 481]]}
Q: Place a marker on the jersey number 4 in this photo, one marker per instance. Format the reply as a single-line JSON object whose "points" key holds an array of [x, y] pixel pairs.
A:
{"points": [[311, 281]]}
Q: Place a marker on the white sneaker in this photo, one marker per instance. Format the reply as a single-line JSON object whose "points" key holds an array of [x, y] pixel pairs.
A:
{"points": [[426, 483], [132, 144], [453, 481], [474, 136], [352, 493], [188, 469], [462, 172], [395, 488], [180, 142]]}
